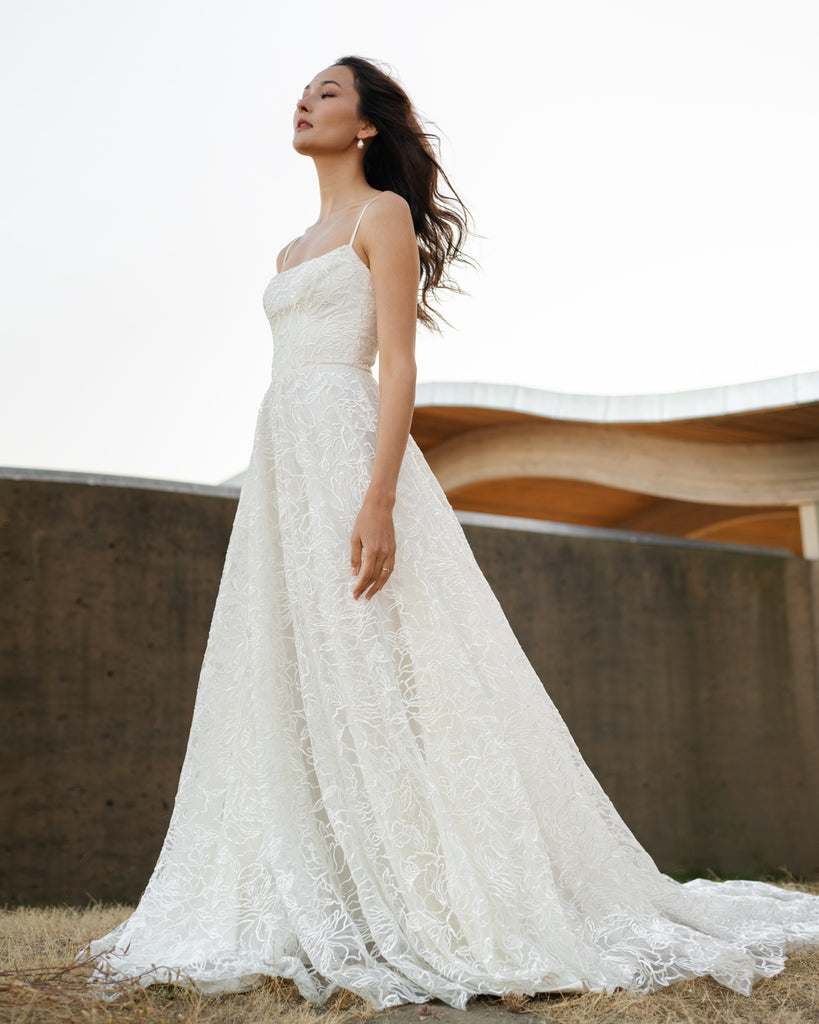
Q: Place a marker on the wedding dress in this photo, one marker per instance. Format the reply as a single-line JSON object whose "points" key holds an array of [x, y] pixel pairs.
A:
{"points": [[379, 795]]}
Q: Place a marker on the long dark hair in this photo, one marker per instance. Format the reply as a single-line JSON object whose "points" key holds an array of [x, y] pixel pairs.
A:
{"points": [[402, 158]]}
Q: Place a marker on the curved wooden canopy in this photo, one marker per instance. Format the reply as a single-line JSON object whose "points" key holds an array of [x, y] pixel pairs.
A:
{"points": [[761, 474], [748, 473]]}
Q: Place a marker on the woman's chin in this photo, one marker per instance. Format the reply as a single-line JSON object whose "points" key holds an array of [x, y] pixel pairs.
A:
{"points": [[298, 143]]}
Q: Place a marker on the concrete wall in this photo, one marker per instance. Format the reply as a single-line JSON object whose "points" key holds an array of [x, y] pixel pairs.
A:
{"points": [[106, 597], [688, 676], [687, 673]]}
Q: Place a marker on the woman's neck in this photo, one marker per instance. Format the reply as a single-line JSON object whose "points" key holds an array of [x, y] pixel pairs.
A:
{"points": [[341, 183]]}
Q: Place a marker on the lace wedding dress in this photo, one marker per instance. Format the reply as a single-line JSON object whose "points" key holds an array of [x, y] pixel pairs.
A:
{"points": [[379, 795]]}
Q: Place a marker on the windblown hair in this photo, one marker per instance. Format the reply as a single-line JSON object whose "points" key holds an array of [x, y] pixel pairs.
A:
{"points": [[402, 158]]}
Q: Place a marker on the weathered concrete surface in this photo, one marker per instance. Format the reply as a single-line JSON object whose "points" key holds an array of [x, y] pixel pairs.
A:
{"points": [[687, 674], [688, 677], [106, 599]]}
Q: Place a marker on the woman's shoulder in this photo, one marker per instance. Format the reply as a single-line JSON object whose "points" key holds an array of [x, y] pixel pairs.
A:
{"points": [[389, 211], [389, 204], [282, 256], [387, 237]]}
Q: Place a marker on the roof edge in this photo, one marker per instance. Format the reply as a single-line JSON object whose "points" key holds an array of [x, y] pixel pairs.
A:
{"points": [[229, 489], [754, 396]]}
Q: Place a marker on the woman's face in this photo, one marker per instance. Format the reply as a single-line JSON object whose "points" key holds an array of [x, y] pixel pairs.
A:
{"points": [[326, 118]]}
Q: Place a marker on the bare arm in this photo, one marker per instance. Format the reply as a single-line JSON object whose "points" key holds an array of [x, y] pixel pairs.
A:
{"points": [[388, 240]]}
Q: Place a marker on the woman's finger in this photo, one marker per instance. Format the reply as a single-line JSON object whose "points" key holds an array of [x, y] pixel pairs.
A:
{"points": [[380, 581], [366, 574], [374, 574], [356, 548]]}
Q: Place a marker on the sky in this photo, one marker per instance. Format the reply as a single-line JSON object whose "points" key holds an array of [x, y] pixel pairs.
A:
{"points": [[642, 175]]}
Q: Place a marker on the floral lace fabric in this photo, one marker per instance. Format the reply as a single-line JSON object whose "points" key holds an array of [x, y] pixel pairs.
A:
{"points": [[379, 795]]}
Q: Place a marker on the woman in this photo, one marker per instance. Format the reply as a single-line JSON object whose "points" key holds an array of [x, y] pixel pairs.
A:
{"points": [[377, 793]]}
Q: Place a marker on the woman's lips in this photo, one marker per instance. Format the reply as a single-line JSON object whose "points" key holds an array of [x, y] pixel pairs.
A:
{"points": [[303, 124]]}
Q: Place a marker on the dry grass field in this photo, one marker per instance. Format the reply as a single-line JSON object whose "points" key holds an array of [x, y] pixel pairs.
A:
{"points": [[41, 984]]}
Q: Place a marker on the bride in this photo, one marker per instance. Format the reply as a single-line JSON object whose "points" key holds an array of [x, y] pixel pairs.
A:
{"points": [[377, 793]]}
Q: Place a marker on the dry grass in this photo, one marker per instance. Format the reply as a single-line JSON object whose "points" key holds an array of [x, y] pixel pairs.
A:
{"points": [[41, 984]]}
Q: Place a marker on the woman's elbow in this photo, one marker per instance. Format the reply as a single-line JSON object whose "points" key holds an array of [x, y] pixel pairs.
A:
{"points": [[400, 369]]}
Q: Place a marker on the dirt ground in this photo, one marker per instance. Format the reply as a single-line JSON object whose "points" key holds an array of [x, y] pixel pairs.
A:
{"points": [[41, 984]]}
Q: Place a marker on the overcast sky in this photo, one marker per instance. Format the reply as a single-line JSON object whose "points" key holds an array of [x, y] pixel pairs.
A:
{"points": [[643, 173]]}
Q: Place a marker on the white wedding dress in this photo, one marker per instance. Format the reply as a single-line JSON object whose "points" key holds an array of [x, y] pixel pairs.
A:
{"points": [[379, 795]]}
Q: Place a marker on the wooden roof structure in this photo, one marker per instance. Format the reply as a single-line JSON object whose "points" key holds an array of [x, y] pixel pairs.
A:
{"points": [[737, 464]]}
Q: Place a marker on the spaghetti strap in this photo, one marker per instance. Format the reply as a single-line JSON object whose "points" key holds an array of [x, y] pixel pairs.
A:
{"points": [[355, 229], [287, 253]]}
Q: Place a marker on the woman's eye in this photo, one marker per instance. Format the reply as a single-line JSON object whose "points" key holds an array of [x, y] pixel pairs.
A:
{"points": [[325, 95]]}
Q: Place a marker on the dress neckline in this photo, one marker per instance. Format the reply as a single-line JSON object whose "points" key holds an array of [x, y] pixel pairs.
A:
{"points": [[321, 256]]}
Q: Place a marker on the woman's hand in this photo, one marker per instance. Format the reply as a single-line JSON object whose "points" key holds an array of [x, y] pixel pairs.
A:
{"points": [[373, 548]]}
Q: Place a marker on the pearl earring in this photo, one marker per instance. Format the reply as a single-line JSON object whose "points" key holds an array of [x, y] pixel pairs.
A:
{"points": [[360, 143]]}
